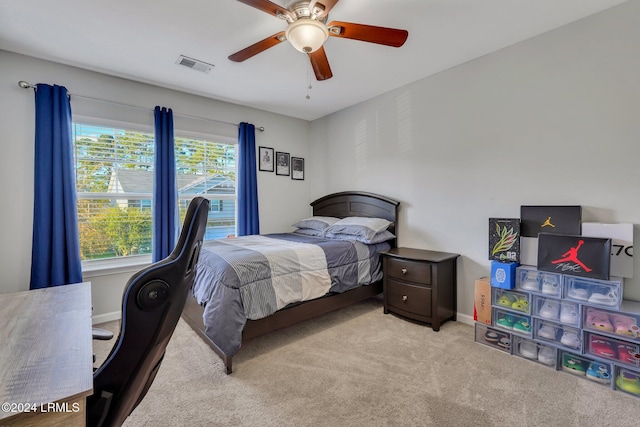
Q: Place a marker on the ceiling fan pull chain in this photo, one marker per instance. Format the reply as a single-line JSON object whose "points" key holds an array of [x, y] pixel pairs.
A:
{"points": [[309, 87]]}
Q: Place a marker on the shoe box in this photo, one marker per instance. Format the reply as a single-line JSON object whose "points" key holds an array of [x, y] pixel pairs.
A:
{"points": [[561, 311], [624, 323], [530, 279], [575, 255], [482, 301], [627, 381], [594, 292], [518, 302], [584, 366], [504, 239], [622, 352], [557, 334], [503, 274], [512, 321], [492, 337], [546, 355]]}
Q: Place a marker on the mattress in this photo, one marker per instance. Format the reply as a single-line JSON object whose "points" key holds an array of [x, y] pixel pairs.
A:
{"points": [[252, 277]]}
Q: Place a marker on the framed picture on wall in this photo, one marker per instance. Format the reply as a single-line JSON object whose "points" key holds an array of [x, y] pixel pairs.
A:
{"points": [[297, 168], [265, 161], [282, 163]]}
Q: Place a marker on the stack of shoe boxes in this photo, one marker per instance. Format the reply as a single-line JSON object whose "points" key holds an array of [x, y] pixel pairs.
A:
{"points": [[506, 305], [572, 323]]}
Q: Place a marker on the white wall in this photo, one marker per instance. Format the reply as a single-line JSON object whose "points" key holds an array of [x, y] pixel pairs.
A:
{"points": [[281, 200], [553, 120]]}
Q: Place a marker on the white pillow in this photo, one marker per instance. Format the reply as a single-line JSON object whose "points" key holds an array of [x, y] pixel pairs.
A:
{"points": [[320, 223]]}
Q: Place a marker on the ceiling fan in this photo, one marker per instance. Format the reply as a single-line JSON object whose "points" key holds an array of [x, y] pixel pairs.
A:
{"points": [[307, 31]]}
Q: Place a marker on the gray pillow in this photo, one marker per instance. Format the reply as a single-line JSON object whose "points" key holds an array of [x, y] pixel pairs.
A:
{"points": [[320, 223], [309, 232], [380, 237], [359, 226]]}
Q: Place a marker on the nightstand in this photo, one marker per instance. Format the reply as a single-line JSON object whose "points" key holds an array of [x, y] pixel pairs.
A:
{"points": [[420, 285]]}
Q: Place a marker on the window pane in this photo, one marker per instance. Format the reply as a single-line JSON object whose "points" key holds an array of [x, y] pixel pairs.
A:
{"points": [[208, 169], [114, 181], [113, 228], [220, 224]]}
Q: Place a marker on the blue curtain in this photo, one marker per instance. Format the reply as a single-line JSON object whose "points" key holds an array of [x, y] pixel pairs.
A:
{"points": [[165, 195], [55, 254], [248, 222]]}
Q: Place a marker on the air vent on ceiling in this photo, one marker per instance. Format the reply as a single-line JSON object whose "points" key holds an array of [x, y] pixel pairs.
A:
{"points": [[194, 64]]}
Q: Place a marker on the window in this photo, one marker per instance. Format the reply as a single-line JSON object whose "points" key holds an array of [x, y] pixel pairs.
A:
{"points": [[114, 182], [208, 169]]}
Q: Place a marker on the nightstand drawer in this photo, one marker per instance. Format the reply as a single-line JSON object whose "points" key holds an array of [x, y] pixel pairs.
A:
{"points": [[411, 271], [409, 298]]}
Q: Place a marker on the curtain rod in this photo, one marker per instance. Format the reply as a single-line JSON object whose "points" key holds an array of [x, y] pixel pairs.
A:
{"points": [[27, 85]]}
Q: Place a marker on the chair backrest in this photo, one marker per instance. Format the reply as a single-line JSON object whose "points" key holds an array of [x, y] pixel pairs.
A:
{"points": [[152, 303]]}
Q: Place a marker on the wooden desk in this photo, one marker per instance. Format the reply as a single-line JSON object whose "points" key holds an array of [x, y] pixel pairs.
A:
{"points": [[46, 356]]}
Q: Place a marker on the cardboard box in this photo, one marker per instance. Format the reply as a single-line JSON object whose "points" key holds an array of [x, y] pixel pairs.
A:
{"points": [[504, 239], [574, 255], [503, 274], [529, 251], [482, 301], [550, 219], [621, 245]]}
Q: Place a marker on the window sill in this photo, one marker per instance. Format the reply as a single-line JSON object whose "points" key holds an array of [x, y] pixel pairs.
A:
{"points": [[108, 267]]}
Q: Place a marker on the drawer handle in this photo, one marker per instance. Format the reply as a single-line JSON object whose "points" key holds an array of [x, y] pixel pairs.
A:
{"points": [[404, 271], [404, 297]]}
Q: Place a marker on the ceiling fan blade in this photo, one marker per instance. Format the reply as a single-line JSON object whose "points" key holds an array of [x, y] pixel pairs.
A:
{"points": [[368, 33], [322, 6], [256, 48], [320, 64], [269, 7]]}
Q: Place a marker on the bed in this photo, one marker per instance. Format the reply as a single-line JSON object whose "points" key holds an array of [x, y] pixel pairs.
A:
{"points": [[217, 319]]}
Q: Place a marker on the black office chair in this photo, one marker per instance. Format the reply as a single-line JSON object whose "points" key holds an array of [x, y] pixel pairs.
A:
{"points": [[152, 303]]}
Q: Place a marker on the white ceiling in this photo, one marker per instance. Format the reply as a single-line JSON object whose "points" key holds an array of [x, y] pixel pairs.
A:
{"points": [[142, 39]]}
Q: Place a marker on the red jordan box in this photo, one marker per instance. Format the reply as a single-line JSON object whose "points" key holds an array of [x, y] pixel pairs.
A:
{"points": [[574, 255], [550, 219]]}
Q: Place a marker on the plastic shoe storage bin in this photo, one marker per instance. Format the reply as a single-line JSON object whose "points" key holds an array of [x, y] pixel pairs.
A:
{"points": [[594, 370], [541, 353], [512, 322], [492, 337], [529, 279], [601, 293], [618, 324], [627, 381], [563, 336], [561, 311], [621, 352], [518, 302]]}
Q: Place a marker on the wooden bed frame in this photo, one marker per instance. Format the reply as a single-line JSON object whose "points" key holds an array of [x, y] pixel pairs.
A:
{"points": [[343, 204]]}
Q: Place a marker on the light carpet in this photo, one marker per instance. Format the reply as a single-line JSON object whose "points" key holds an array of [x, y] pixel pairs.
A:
{"points": [[360, 367]]}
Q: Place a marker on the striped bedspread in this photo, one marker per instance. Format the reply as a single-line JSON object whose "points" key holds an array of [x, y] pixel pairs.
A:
{"points": [[252, 277]]}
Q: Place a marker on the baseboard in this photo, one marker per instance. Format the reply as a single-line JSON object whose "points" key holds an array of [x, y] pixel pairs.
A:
{"points": [[106, 317], [115, 315], [465, 318]]}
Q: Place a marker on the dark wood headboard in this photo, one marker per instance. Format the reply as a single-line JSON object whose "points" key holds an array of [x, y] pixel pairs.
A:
{"points": [[357, 203]]}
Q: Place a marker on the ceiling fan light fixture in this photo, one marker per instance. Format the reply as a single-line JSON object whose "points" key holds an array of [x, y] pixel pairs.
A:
{"points": [[307, 35]]}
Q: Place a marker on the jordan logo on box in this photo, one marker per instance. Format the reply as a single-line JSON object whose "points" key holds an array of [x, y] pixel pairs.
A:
{"points": [[571, 257]]}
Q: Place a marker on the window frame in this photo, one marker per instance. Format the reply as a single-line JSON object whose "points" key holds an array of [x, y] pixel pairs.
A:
{"points": [[132, 263]]}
